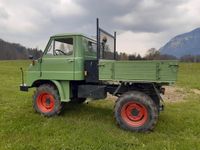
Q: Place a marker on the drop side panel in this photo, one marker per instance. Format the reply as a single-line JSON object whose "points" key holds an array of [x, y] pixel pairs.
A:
{"points": [[144, 71]]}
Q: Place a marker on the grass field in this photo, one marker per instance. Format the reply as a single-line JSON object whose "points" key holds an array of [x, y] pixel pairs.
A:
{"points": [[189, 75], [91, 126]]}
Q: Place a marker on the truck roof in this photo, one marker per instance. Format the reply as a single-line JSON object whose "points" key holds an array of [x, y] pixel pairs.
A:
{"points": [[73, 34]]}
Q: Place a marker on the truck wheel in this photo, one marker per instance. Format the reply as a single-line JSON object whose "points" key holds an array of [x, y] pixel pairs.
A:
{"points": [[46, 100], [136, 111]]}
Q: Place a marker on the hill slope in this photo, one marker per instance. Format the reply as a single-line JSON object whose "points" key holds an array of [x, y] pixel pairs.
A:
{"points": [[11, 51], [184, 44]]}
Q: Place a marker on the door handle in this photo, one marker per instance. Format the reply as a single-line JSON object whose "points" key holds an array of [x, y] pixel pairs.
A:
{"points": [[70, 60], [101, 65], [175, 65]]}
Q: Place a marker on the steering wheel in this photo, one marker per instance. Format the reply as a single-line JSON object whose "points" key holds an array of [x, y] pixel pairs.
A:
{"points": [[59, 51]]}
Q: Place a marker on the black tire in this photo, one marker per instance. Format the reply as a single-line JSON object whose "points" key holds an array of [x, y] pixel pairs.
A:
{"points": [[136, 111], [46, 100]]}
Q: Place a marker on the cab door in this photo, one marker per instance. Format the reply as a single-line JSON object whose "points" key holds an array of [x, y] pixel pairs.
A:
{"points": [[58, 60]]}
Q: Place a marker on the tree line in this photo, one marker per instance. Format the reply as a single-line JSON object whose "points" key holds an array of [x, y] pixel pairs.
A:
{"points": [[13, 51], [154, 54]]}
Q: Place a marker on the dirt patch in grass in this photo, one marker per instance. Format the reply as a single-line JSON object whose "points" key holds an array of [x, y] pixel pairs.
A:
{"points": [[196, 91], [111, 97], [175, 94], [172, 94]]}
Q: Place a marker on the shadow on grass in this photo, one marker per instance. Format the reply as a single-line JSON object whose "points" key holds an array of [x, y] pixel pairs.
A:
{"points": [[90, 110]]}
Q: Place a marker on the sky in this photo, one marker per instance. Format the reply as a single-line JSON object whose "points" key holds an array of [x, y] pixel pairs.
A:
{"points": [[140, 24]]}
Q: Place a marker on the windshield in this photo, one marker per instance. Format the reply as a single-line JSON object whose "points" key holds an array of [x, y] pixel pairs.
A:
{"points": [[61, 46]]}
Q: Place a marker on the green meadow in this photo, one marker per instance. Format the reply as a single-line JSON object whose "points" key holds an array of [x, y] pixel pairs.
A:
{"points": [[92, 126]]}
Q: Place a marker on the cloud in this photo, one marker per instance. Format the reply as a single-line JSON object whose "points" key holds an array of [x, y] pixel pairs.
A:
{"points": [[3, 13], [131, 42], [66, 8], [151, 16], [33, 16], [141, 24], [32, 22]]}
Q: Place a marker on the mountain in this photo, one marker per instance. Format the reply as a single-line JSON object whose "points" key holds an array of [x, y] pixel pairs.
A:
{"points": [[183, 44], [12, 51]]}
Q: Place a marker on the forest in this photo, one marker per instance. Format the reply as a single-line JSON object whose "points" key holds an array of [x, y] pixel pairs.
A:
{"points": [[13, 51]]}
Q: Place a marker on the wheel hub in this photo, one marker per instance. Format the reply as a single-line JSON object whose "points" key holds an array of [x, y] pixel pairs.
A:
{"points": [[134, 114], [45, 102], [48, 101]]}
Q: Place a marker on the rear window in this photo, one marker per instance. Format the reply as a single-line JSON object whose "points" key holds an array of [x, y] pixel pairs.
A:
{"points": [[90, 48]]}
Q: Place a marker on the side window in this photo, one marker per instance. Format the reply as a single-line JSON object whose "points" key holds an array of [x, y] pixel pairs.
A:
{"points": [[91, 49], [63, 46]]}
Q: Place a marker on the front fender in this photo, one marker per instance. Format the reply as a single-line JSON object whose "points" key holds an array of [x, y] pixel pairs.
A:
{"points": [[63, 89], [62, 86]]}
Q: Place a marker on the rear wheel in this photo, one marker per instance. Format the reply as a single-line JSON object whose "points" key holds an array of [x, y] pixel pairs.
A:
{"points": [[135, 111], [46, 100]]}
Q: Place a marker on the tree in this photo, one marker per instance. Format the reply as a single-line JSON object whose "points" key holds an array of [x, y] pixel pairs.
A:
{"points": [[152, 54], [139, 57], [132, 57], [123, 56]]}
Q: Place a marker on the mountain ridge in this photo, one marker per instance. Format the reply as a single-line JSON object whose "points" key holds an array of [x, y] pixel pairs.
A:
{"points": [[183, 44]]}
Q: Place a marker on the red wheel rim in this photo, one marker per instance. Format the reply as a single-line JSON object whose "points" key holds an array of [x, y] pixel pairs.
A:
{"points": [[134, 114], [45, 102]]}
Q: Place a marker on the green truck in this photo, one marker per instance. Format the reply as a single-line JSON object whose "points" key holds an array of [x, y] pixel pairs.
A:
{"points": [[75, 67]]}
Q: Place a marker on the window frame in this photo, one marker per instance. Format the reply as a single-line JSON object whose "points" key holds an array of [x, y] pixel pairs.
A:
{"points": [[53, 39]]}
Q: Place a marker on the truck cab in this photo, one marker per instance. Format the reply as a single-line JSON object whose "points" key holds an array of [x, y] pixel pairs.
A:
{"points": [[62, 61], [63, 58]]}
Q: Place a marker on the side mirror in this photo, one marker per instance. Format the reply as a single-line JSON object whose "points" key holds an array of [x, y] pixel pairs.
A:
{"points": [[30, 57]]}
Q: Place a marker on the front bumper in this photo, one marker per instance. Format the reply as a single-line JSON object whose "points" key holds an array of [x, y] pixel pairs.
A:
{"points": [[24, 87]]}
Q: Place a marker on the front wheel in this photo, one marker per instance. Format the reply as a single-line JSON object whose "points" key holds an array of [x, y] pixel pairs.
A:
{"points": [[46, 100], [136, 111]]}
